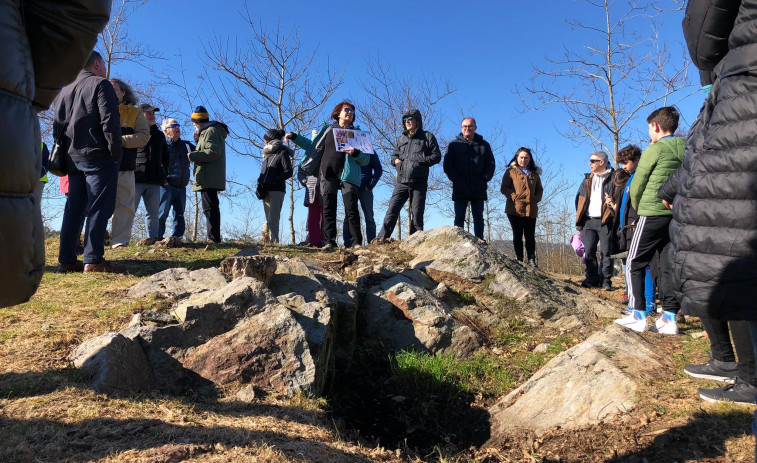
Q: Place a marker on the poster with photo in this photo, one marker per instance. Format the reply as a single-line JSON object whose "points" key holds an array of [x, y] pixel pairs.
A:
{"points": [[358, 139]]}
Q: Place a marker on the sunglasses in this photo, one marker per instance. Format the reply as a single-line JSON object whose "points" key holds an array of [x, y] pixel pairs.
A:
{"points": [[408, 119], [594, 160], [174, 126], [348, 110]]}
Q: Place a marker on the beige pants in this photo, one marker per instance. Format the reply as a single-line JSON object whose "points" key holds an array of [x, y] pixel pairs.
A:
{"points": [[123, 215]]}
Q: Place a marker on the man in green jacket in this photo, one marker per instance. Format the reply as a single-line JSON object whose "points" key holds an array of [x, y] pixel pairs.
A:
{"points": [[210, 167], [651, 235]]}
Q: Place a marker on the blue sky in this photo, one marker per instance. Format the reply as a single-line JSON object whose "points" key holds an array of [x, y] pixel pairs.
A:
{"points": [[485, 49]]}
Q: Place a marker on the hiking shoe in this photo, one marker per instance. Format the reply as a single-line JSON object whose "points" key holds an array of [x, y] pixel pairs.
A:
{"points": [[75, 267], [715, 370], [329, 247], [607, 286], [623, 299], [739, 392], [666, 324], [636, 320], [532, 263], [589, 284], [103, 267], [148, 241]]}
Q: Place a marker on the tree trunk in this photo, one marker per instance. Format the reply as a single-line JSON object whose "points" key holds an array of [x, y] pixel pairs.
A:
{"points": [[291, 210]]}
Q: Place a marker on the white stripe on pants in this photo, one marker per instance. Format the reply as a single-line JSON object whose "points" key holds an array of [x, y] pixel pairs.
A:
{"points": [[631, 254]]}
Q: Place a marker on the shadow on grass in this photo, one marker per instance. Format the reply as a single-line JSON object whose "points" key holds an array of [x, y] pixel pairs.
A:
{"points": [[414, 410], [98, 438]]}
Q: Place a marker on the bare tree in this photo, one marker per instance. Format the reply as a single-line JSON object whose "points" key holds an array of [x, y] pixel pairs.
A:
{"points": [[117, 44], [267, 81], [389, 95], [616, 75]]}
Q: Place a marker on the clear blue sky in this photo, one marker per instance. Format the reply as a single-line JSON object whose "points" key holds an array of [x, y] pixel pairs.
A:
{"points": [[485, 49]]}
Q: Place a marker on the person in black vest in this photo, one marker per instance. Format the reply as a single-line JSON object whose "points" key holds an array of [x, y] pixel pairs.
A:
{"points": [[150, 173], [469, 164], [173, 193], [415, 153]]}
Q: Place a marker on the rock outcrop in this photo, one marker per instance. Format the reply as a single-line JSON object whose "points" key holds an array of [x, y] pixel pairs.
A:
{"points": [[588, 383]]}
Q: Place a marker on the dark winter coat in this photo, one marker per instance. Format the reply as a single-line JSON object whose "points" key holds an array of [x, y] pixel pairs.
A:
{"points": [[178, 162], [371, 173], [622, 226], [523, 193], [583, 197], [45, 45], [152, 159], [470, 166], [714, 227], [418, 152], [209, 157], [277, 166]]}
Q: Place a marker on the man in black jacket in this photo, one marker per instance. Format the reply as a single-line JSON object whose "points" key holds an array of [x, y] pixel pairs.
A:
{"points": [[150, 173], [469, 164], [416, 151], [44, 45], [94, 137]]}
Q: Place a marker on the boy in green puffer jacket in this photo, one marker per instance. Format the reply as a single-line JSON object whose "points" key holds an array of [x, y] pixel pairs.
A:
{"points": [[651, 235]]}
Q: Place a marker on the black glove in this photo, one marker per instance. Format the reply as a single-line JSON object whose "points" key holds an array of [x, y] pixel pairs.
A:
{"points": [[579, 228]]}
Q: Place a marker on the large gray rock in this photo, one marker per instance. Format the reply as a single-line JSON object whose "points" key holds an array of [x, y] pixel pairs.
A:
{"points": [[404, 315], [117, 364], [259, 267], [591, 382], [456, 258], [179, 282], [268, 350]]}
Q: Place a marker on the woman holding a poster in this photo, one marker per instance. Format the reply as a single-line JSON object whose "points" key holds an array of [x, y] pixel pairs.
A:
{"points": [[336, 170]]}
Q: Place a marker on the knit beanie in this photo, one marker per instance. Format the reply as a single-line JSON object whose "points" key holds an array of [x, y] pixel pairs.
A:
{"points": [[200, 115], [273, 134]]}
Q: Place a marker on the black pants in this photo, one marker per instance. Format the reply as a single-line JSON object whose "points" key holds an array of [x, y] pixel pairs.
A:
{"points": [[720, 344], [593, 234], [477, 212], [212, 211], [402, 192], [651, 236], [329, 191], [523, 226]]}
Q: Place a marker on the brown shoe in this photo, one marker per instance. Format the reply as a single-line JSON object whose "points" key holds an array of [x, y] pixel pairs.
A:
{"points": [[77, 266], [104, 267]]}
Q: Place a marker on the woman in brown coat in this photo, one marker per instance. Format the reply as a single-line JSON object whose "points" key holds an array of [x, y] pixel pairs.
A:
{"points": [[521, 185]]}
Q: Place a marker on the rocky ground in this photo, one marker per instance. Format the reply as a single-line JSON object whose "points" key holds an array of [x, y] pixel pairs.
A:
{"points": [[294, 355]]}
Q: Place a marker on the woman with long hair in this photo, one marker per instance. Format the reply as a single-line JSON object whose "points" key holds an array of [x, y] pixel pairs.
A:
{"points": [[521, 185]]}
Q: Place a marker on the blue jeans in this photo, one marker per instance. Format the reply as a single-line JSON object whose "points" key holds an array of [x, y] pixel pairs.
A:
{"points": [[151, 195], [365, 199], [172, 197], [477, 211], [91, 195]]}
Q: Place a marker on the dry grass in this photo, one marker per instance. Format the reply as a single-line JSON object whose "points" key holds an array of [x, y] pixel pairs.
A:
{"points": [[48, 414]]}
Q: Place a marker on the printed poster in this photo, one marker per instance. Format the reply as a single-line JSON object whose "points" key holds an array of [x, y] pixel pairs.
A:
{"points": [[358, 139]]}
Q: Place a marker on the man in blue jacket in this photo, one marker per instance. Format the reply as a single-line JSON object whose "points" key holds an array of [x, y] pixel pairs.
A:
{"points": [[369, 177], [173, 193]]}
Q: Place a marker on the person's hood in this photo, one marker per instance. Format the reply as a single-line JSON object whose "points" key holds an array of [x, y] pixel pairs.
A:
{"points": [[224, 128], [273, 147], [514, 165], [415, 114]]}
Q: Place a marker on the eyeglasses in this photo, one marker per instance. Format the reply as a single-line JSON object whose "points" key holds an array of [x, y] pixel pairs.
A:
{"points": [[469, 126], [594, 160], [348, 110], [174, 126]]}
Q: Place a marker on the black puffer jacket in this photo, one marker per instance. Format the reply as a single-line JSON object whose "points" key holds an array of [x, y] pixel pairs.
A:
{"points": [[277, 166], [470, 166], [152, 159], [44, 46], [417, 152], [714, 228]]}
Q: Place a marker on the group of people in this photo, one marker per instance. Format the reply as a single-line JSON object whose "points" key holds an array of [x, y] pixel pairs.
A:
{"points": [[468, 163], [117, 157]]}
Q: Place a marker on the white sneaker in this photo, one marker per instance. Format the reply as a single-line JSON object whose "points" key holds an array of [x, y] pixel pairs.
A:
{"points": [[666, 324], [636, 321]]}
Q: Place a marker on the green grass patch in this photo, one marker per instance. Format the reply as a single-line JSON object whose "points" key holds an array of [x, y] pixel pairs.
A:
{"points": [[511, 332]]}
